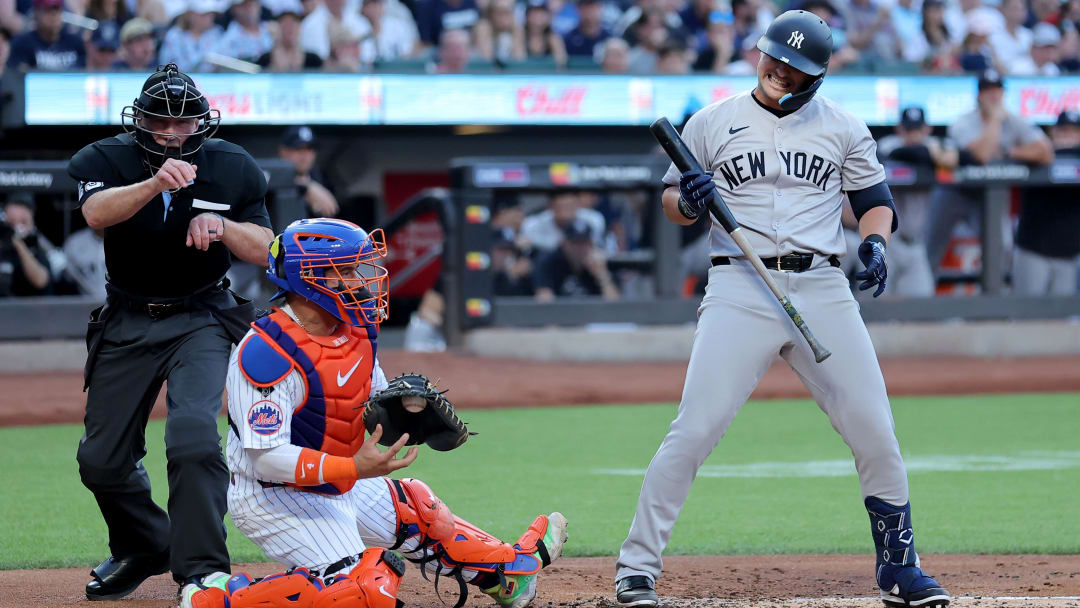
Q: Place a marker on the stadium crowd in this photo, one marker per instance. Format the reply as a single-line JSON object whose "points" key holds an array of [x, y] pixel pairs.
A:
{"points": [[1014, 37]]}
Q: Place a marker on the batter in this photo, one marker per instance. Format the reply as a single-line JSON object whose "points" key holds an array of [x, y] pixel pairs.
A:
{"points": [[782, 158]]}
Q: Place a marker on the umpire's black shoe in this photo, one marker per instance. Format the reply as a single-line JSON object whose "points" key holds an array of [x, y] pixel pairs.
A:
{"points": [[635, 591], [114, 578]]}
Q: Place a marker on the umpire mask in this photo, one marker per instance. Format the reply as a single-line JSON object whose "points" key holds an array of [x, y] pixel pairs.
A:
{"points": [[169, 94]]}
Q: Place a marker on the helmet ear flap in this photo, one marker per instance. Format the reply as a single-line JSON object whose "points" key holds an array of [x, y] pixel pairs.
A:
{"points": [[277, 254]]}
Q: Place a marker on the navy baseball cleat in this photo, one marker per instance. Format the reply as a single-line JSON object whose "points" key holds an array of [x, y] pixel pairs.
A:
{"points": [[635, 591], [903, 583]]}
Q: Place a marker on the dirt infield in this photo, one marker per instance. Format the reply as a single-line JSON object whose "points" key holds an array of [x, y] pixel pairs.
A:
{"points": [[978, 581], [477, 382], [750, 581]]}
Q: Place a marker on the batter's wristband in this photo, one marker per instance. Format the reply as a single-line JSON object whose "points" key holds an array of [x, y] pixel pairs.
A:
{"points": [[875, 238], [685, 210]]}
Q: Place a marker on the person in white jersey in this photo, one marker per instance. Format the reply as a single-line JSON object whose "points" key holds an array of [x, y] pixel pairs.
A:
{"points": [[305, 486], [782, 158]]}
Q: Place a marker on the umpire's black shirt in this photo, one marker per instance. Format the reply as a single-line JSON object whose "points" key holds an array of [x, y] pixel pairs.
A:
{"points": [[147, 253]]}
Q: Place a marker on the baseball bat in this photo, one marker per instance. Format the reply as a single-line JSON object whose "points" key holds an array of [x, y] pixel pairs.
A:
{"points": [[676, 149]]}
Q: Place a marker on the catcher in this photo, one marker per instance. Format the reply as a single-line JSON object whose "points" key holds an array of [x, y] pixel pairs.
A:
{"points": [[305, 485]]}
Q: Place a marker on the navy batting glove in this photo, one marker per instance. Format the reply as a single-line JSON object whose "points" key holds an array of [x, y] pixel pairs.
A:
{"points": [[872, 254], [694, 189]]}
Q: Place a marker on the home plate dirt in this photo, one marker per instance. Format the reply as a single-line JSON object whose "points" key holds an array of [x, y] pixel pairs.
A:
{"points": [[711, 581]]}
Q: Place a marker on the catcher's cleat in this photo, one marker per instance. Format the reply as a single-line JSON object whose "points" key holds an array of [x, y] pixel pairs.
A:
{"points": [[635, 591], [915, 589], [214, 580], [519, 590], [115, 578]]}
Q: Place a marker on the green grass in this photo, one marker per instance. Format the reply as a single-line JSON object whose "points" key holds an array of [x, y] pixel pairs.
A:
{"points": [[528, 461]]}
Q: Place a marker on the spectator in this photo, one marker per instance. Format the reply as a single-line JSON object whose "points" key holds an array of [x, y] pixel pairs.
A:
{"points": [[298, 148], [115, 11], [24, 263], [512, 268], [751, 19], [346, 54], [85, 253], [395, 36], [543, 231], [907, 20], [12, 20], [673, 59], [564, 16], [138, 48], [696, 17], [976, 53], [747, 64], [499, 36], [718, 49], [287, 55], [101, 48], [871, 31], [247, 37], [48, 46], [453, 52], [935, 42], [194, 36], [540, 39], [5, 52], [615, 56], [909, 265], [1048, 235], [959, 15], [153, 11], [329, 19], [1013, 42], [435, 16], [575, 268], [585, 39], [651, 33], [1045, 53], [987, 134], [843, 53]]}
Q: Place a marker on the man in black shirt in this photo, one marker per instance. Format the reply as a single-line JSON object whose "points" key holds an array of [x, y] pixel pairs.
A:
{"points": [[1048, 236], [24, 264], [175, 206], [576, 268], [47, 46]]}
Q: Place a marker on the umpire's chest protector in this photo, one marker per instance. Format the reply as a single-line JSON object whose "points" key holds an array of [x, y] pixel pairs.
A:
{"points": [[337, 379]]}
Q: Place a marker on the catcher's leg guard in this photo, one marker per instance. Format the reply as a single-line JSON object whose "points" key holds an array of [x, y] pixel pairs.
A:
{"points": [[902, 581], [545, 537], [295, 588], [373, 583]]}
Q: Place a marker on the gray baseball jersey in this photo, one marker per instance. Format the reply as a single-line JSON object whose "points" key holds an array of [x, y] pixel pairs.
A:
{"points": [[782, 178]]}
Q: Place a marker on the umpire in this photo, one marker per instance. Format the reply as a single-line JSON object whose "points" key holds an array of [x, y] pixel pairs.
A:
{"points": [[175, 206]]}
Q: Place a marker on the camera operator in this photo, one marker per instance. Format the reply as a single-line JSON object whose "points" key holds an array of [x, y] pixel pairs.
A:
{"points": [[24, 264]]}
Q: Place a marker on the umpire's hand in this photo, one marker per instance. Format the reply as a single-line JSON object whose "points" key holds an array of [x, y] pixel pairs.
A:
{"points": [[174, 174], [204, 229], [370, 461]]}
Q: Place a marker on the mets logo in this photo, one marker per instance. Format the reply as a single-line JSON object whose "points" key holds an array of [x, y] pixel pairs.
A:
{"points": [[264, 417], [796, 39]]}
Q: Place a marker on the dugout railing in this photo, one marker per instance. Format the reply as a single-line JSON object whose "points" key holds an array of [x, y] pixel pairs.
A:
{"points": [[477, 182]]}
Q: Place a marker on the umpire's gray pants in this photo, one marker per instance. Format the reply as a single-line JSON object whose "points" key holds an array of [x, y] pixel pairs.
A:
{"points": [[137, 354]]}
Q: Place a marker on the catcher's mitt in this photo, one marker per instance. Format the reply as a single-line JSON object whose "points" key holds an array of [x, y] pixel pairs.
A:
{"points": [[411, 404]]}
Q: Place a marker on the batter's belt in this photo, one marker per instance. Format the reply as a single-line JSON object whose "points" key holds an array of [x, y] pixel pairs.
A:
{"points": [[794, 262]]}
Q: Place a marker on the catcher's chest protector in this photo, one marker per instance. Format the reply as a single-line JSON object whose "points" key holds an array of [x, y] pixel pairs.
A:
{"points": [[337, 378]]}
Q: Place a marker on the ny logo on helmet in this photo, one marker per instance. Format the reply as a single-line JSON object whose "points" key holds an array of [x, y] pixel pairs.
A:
{"points": [[796, 39]]}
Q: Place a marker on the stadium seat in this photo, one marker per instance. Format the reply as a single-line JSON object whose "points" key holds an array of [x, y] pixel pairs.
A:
{"points": [[581, 63], [532, 65], [402, 66]]}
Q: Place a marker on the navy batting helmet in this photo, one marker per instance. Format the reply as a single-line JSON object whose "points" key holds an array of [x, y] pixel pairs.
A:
{"points": [[803, 41]]}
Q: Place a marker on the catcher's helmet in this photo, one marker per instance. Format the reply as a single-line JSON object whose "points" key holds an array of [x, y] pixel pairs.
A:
{"points": [[169, 93], [332, 263], [803, 41]]}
